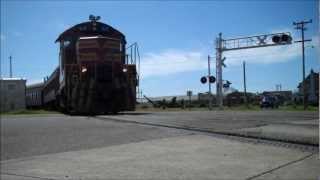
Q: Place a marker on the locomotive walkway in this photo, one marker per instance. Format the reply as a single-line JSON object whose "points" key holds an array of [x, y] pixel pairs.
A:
{"points": [[160, 146]]}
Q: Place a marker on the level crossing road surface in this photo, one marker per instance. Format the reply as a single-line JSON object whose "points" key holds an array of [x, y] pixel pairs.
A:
{"points": [[161, 145], [296, 127]]}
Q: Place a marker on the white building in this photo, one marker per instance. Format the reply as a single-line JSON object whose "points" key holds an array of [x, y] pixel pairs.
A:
{"points": [[12, 94]]}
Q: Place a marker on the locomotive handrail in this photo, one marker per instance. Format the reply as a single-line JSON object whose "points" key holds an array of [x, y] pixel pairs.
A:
{"points": [[136, 54]]}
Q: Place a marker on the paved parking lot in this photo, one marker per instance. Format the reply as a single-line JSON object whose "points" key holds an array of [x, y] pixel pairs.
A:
{"points": [[158, 146]]}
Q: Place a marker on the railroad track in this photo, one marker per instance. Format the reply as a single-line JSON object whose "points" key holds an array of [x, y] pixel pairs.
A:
{"points": [[306, 147]]}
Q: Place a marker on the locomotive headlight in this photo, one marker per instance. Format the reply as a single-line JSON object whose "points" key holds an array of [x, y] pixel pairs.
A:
{"points": [[124, 70], [84, 69]]}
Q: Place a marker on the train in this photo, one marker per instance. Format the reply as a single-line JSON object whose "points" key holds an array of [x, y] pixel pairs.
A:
{"points": [[95, 74]]}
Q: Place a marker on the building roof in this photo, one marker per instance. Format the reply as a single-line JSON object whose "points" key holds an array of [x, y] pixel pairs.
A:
{"points": [[12, 79]]}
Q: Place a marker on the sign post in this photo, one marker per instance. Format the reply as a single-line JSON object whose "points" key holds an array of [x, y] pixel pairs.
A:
{"points": [[189, 94]]}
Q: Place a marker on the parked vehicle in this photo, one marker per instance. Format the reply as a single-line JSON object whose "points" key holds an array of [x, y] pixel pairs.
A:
{"points": [[269, 102]]}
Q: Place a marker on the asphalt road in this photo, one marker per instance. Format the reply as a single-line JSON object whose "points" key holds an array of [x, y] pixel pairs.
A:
{"points": [[148, 146], [37, 135], [297, 127], [23, 136]]}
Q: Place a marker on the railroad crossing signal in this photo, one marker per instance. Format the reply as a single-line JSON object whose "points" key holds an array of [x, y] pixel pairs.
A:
{"points": [[227, 84], [222, 62], [258, 41], [222, 45], [283, 38], [204, 79], [212, 79]]}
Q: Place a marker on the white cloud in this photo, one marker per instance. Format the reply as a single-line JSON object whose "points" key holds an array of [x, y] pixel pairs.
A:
{"points": [[177, 61], [267, 55], [315, 41], [171, 61]]}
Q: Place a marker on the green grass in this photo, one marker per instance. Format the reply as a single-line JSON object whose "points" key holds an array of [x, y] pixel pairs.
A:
{"points": [[298, 108], [281, 108], [30, 112], [243, 108], [232, 108]]}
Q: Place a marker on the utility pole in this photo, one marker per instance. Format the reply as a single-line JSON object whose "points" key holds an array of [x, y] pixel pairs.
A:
{"points": [[244, 83], [278, 87], [209, 74], [10, 61], [219, 71], [301, 26]]}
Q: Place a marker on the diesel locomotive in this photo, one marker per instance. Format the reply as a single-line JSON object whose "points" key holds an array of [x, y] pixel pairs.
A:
{"points": [[94, 75]]}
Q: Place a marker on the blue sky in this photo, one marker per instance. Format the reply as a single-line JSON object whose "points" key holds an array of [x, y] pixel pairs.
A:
{"points": [[175, 38]]}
